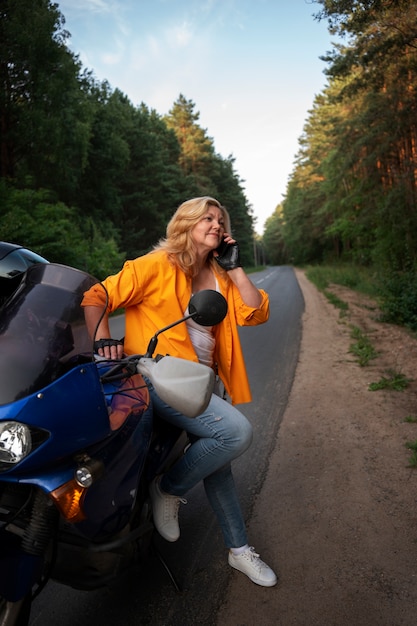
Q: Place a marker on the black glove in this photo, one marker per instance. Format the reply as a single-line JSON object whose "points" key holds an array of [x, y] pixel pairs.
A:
{"points": [[101, 343], [228, 256]]}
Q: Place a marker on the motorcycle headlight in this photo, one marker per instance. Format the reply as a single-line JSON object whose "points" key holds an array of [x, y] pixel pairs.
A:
{"points": [[15, 442]]}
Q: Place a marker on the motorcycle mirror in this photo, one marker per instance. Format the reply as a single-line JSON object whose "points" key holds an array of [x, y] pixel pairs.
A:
{"points": [[207, 307]]}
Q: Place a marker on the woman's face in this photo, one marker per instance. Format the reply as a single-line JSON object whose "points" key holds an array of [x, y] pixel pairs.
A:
{"points": [[208, 233]]}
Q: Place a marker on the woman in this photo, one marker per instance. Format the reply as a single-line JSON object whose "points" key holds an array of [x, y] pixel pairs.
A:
{"points": [[197, 253]]}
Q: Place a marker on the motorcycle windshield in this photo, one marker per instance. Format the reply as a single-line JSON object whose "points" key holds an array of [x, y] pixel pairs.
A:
{"points": [[42, 329]]}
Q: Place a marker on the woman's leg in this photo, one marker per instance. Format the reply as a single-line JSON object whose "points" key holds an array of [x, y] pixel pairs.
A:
{"points": [[222, 495], [222, 434], [219, 435]]}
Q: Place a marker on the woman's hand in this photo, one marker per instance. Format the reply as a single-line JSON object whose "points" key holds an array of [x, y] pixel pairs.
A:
{"points": [[109, 348], [227, 254]]}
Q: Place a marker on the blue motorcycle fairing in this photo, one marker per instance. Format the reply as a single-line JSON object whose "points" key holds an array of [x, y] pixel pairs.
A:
{"points": [[108, 503], [72, 410], [121, 453]]}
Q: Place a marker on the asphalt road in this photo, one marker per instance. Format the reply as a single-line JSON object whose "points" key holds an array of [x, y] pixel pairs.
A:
{"points": [[145, 595]]}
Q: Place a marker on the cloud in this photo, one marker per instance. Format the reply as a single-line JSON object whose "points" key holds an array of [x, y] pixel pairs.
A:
{"points": [[89, 6], [110, 59], [180, 36]]}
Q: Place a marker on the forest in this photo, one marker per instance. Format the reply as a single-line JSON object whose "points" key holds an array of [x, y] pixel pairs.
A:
{"points": [[86, 178], [351, 197], [89, 179]]}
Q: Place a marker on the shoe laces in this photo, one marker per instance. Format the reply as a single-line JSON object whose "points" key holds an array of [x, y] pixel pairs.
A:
{"points": [[172, 505], [251, 552], [253, 556]]}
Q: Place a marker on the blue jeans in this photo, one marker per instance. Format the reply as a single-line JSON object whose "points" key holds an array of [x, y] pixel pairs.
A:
{"points": [[218, 436]]}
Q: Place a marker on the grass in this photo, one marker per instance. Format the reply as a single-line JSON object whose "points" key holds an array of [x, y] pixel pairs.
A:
{"points": [[362, 349], [337, 302], [351, 276], [412, 445], [396, 381]]}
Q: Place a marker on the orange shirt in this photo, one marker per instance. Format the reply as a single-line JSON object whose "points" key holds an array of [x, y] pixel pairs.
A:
{"points": [[155, 293]]}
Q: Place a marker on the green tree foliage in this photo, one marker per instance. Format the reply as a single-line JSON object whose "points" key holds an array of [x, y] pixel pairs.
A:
{"points": [[352, 195], [153, 184], [273, 238], [44, 129], [87, 178], [353, 192], [56, 231], [197, 149], [108, 153]]}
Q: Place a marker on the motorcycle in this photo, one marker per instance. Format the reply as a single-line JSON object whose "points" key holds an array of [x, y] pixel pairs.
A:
{"points": [[79, 441]]}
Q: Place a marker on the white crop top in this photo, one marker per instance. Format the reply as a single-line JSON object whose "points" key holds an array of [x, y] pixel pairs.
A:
{"points": [[202, 339]]}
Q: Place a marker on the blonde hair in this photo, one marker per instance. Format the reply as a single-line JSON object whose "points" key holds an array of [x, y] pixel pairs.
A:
{"points": [[178, 242]]}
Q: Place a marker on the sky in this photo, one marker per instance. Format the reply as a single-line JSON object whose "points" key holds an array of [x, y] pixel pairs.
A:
{"points": [[251, 68]]}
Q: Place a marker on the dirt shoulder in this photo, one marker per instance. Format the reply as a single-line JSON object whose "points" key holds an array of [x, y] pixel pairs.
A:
{"points": [[337, 514]]}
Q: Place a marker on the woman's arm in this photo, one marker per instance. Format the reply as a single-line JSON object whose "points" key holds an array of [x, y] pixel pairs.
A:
{"points": [[249, 293], [92, 318]]}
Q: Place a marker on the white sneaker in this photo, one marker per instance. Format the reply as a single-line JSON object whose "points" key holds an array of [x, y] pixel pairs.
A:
{"points": [[252, 565], [165, 511]]}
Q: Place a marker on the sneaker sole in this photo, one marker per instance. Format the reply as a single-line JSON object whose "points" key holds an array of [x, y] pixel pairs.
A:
{"points": [[271, 583]]}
